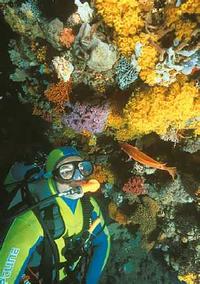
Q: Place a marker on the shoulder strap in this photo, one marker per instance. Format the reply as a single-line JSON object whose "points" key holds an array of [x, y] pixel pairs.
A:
{"points": [[50, 257], [87, 212]]}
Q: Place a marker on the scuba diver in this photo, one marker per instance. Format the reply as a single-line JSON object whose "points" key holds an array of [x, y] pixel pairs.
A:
{"points": [[54, 230]]}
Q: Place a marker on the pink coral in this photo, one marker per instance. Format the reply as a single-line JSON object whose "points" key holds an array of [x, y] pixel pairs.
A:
{"points": [[67, 37], [135, 185]]}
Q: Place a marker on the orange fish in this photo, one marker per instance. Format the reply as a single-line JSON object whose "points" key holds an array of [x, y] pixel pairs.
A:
{"points": [[142, 158]]}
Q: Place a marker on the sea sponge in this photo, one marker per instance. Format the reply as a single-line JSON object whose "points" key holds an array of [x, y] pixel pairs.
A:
{"points": [[87, 117], [63, 67]]}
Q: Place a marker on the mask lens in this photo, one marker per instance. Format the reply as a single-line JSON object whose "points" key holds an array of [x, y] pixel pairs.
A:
{"points": [[85, 168], [66, 171]]}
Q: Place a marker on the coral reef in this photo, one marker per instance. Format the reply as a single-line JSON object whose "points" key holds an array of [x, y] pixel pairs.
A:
{"points": [[102, 72]]}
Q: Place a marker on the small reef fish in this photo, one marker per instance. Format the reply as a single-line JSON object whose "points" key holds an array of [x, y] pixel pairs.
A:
{"points": [[137, 155]]}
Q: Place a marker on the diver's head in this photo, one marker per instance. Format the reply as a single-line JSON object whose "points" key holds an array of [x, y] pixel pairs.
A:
{"points": [[66, 167]]}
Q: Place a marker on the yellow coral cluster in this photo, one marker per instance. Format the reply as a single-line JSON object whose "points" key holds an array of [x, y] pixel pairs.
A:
{"points": [[147, 62], [124, 16], [157, 108], [183, 27], [130, 19], [114, 119], [41, 54], [103, 174], [191, 7], [40, 51], [189, 278]]}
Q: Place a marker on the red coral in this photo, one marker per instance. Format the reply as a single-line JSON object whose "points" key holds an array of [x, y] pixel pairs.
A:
{"points": [[135, 185], [67, 37]]}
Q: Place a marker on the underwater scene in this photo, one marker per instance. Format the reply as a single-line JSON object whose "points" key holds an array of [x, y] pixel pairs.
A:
{"points": [[100, 141]]}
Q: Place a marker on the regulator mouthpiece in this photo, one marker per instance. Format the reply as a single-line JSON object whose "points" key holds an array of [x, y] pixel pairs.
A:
{"points": [[91, 185]]}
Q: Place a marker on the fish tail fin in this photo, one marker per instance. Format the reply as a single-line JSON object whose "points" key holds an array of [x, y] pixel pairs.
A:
{"points": [[172, 171]]}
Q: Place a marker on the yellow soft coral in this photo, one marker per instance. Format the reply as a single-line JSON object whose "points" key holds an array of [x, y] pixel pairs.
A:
{"points": [[189, 278], [191, 7], [157, 108], [183, 27], [184, 30], [147, 62], [124, 16]]}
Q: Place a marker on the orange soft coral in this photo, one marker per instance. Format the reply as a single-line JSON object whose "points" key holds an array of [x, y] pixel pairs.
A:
{"points": [[59, 94], [116, 214], [67, 37], [103, 174]]}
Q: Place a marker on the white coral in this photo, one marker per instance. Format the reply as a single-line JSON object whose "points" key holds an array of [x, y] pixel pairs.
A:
{"points": [[102, 57], [63, 68], [84, 11]]}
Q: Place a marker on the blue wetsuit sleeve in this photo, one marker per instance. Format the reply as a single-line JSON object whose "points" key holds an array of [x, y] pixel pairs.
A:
{"points": [[101, 248]]}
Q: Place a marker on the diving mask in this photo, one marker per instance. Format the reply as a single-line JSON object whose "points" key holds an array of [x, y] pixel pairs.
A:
{"points": [[66, 171]]}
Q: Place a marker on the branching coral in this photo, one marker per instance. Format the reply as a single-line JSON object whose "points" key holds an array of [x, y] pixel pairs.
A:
{"points": [[135, 186], [157, 109], [87, 117], [59, 94]]}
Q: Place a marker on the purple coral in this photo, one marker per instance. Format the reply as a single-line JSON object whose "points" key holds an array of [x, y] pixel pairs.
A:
{"points": [[87, 117]]}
